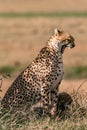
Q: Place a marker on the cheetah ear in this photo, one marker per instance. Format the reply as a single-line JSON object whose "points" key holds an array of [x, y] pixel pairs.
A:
{"points": [[57, 32]]}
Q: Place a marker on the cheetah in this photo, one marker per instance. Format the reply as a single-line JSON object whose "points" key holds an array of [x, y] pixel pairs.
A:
{"points": [[41, 79]]}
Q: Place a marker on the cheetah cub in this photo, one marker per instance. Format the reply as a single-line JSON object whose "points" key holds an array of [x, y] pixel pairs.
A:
{"points": [[40, 80]]}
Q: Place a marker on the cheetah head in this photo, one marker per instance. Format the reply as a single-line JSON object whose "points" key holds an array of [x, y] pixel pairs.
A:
{"points": [[60, 40]]}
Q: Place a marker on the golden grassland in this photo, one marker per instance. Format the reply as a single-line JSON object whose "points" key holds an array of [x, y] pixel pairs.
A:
{"points": [[72, 118], [20, 35], [20, 40], [42, 6]]}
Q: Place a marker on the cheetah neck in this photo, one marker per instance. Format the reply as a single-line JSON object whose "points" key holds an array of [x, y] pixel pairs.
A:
{"points": [[55, 45]]}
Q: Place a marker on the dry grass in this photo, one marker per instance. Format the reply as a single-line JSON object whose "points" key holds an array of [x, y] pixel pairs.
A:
{"points": [[42, 6], [20, 35], [73, 118]]}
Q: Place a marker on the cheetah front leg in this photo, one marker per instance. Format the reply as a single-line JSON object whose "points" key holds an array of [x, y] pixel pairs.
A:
{"points": [[54, 101], [45, 93]]}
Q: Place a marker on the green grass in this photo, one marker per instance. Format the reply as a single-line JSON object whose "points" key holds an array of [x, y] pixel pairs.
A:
{"points": [[42, 14], [8, 69], [76, 72]]}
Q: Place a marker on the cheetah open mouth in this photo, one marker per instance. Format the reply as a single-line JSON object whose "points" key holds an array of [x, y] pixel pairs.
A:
{"points": [[63, 48]]}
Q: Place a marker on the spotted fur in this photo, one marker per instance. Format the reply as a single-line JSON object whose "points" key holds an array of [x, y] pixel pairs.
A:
{"points": [[41, 79]]}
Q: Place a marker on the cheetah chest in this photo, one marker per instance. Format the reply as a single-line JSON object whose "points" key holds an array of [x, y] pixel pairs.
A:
{"points": [[58, 75]]}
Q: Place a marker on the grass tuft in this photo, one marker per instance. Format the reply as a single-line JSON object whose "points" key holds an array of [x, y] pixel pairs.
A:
{"points": [[73, 118]]}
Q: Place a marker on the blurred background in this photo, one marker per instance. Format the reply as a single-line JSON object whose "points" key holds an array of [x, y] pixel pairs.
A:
{"points": [[26, 25]]}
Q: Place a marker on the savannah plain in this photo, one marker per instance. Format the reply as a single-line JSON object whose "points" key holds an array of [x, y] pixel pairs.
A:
{"points": [[21, 38]]}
